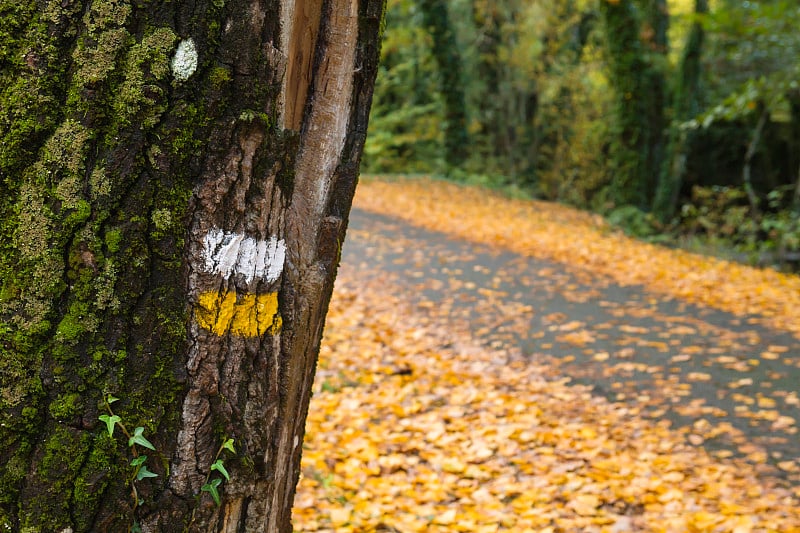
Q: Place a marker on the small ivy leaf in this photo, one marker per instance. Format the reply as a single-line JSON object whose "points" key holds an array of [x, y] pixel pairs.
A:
{"points": [[144, 472], [228, 445], [139, 460], [219, 467], [211, 488], [136, 528], [111, 399], [138, 438], [110, 421]]}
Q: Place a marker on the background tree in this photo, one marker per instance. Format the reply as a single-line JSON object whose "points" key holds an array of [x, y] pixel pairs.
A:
{"points": [[505, 97], [687, 104], [636, 33], [436, 18], [175, 184]]}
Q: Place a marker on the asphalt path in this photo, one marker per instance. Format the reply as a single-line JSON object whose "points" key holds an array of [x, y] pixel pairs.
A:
{"points": [[730, 384]]}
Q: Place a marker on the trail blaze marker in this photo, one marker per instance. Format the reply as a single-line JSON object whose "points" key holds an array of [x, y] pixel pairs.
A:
{"points": [[233, 253], [249, 314]]}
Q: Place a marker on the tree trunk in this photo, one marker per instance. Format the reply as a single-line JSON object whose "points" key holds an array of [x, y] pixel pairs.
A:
{"points": [[637, 47], [752, 147], [175, 182], [687, 104], [794, 106], [486, 17], [445, 50], [656, 92]]}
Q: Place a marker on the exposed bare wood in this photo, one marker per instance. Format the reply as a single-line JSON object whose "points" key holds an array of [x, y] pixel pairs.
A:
{"points": [[325, 129], [305, 25]]}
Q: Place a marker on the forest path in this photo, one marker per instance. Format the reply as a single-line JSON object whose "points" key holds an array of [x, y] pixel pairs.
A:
{"points": [[731, 385], [498, 365]]}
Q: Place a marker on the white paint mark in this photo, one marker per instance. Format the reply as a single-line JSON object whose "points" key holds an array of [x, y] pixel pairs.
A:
{"points": [[296, 441], [184, 62], [233, 253]]}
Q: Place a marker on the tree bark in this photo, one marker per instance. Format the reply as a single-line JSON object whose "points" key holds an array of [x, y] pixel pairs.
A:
{"points": [[175, 182]]}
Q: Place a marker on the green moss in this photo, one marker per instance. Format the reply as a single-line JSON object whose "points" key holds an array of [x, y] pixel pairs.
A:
{"points": [[96, 57], [66, 149], [8, 290], [187, 140], [99, 184], [104, 288], [13, 474], [40, 267], [74, 324], [249, 115], [145, 76], [162, 220], [29, 414], [66, 407], [36, 273], [98, 49], [113, 239], [219, 77], [63, 455], [35, 225], [102, 465], [81, 213], [105, 14], [29, 108]]}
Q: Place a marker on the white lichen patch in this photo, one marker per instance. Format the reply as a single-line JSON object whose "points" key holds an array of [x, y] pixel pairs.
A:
{"points": [[184, 62], [229, 254]]}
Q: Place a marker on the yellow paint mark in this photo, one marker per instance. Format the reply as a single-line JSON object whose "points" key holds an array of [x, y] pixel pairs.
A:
{"points": [[245, 315]]}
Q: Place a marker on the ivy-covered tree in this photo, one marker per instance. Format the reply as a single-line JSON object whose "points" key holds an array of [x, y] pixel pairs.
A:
{"points": [[687, 104], [436, 18], [636, 35], [506, 64], [175, 182]]}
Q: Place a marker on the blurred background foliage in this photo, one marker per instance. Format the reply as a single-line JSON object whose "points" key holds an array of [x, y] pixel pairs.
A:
{"points": [[677, 119]]}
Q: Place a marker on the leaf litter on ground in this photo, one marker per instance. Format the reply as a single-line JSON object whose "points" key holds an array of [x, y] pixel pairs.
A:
{"points": [[414, 427], [584, 241]]}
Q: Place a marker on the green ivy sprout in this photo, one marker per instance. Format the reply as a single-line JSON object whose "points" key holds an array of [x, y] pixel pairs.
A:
{"points": [[135, 439], [138, 438], [211, 485]]}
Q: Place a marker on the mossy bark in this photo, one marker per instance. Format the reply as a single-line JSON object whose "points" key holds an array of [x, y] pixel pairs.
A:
{"points": [[636, 36], [436, 18], [130, 130], [687, 104]]}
